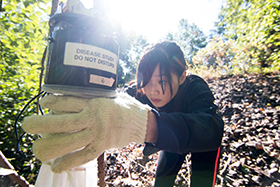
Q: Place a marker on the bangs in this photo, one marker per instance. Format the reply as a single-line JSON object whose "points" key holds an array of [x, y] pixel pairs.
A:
{"points": [[145, 70], [168, 56], [148, 64], [144, 74]]}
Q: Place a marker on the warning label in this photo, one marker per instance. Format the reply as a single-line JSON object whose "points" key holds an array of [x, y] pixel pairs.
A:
{"points": [[88, 56]]}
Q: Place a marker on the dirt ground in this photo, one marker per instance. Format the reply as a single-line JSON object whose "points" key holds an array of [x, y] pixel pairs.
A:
{"points": [[250, 152]]}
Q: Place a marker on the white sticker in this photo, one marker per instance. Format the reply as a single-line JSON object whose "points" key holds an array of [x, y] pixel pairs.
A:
{"points": [[101, 80], [88, 56]]}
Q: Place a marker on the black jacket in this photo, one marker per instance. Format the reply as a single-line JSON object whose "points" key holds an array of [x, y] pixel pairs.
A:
{"points": [[190, 125]]}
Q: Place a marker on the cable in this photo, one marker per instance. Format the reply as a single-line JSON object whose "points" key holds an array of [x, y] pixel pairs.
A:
{"points": [[40, 108], [16, 121], [216, 166]]}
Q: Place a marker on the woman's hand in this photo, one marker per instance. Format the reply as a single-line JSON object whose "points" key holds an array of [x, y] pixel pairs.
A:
{"points": [[152, 128]]}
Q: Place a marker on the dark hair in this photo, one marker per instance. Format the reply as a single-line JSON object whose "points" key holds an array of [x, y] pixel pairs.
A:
{"points": [[170, 58]]}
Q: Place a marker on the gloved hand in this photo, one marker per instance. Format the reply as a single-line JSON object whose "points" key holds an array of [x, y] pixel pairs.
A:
{"points": [[85, 128]]}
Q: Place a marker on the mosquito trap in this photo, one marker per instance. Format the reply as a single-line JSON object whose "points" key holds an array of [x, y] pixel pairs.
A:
{"points": [[82, 56]]}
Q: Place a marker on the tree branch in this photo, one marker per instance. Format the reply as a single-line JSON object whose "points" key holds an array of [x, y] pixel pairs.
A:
{"points": [[14, 177]]}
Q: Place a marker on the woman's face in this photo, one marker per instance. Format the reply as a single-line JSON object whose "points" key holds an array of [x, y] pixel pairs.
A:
{"points": [[153, 89]]}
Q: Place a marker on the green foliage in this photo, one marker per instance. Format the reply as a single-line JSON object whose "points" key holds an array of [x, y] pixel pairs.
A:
{"points": [[139, 43], [219, 27], [189, 37], [218, 54], [130, 47], [23, 31], [255, 26], [223, 56]]}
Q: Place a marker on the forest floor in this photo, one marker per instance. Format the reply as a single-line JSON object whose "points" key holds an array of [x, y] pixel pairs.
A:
{"points": [[250, 152]]}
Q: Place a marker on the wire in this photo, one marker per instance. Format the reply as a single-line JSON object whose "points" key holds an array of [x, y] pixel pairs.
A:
{"points": [[40, 108], [16, 121], [216, 166]]}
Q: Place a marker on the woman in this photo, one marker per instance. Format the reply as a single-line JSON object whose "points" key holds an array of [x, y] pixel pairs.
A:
{"points": [[175, 114], [186, 120]]}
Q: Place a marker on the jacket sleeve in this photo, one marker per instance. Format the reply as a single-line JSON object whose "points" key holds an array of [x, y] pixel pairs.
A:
{"points": [[200, 129]]}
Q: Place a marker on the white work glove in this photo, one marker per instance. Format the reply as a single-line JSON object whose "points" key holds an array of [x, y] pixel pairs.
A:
{"points": [[85, 128]]}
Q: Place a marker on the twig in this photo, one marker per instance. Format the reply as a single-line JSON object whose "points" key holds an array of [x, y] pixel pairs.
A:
{"points": [[101, 170], [14, 177], [41, 76], [226, 165]]}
